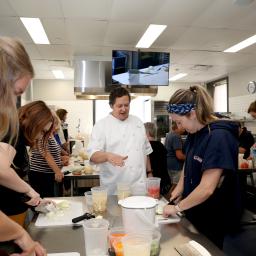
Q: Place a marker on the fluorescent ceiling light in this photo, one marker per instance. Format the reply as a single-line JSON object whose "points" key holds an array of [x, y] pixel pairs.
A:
{"points": [[58, 73], [152, 33], [178, 76], [35, 30], [237, 47]]}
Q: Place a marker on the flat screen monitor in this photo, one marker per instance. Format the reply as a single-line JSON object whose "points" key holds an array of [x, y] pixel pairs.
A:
{"points": [[140, 68]]}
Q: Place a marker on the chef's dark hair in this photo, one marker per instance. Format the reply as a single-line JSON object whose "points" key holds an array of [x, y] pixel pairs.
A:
{"points": [[117, 93]]}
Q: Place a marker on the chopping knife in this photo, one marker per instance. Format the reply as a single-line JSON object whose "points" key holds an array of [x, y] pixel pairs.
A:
{"points": [[85, 216]]}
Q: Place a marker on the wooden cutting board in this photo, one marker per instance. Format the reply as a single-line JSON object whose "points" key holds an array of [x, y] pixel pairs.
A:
{"points": [[61, 218]]}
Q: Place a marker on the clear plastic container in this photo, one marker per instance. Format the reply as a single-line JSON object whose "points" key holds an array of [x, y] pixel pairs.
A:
{"points": [[115, 243], [123, 190], [153, 187], [136, 244], [99, 199], [96, 237], [155, 244], [88, 200]]}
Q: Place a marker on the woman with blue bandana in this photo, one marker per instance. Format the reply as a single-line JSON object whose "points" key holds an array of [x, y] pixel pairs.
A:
{"points": [[208, 190]]}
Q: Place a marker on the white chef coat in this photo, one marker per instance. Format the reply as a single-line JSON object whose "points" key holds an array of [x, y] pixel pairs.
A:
{"points": [[125, 138]]}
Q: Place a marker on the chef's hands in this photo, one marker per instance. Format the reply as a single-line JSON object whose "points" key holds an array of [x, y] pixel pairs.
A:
{"points": [[116, 160], [28, 246]]}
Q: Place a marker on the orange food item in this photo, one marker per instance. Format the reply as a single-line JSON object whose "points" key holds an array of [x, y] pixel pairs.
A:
{"points": [[115, 237], [118, 248]]}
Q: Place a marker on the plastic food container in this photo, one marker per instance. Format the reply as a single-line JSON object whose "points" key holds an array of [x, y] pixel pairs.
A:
{"points": [[115, 235], [155, 244], [138, 213], [137, 244]]}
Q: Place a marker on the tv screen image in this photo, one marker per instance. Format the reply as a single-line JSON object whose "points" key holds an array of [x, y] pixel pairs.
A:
{"points": [[140, 68]]}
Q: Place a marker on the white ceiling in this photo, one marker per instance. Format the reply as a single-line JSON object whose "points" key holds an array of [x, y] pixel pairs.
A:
{"points": [[197, 32]]}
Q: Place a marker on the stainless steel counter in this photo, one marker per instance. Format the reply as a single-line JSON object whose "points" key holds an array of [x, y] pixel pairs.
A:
{"points": [[71, 239]]}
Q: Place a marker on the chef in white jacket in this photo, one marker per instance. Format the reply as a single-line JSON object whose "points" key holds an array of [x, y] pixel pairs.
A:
{"points": [[120, 146]]}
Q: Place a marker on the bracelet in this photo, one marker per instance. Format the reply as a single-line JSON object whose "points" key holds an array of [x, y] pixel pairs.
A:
{"points": [[178, 208], [150, 171]]}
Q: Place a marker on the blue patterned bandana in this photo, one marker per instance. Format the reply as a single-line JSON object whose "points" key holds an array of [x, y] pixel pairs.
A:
{"points": [[180, 109]]}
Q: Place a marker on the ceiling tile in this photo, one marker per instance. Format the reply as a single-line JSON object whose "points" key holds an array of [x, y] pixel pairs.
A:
{"points": [[12, 27], [86, 31], [55, 52], [96, 9], [6, 9], [37, 8]]}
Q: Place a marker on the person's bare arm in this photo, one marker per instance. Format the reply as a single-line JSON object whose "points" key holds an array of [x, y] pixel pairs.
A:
{"points": [[10, 230], [242, 150], [10, 179], [102, 157], [179, 154], [176, 193], [50, 160], [201, 193], [148, 167]]}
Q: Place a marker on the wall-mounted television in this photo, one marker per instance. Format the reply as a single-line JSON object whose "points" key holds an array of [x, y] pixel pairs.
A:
{"points": [[140, 68]]}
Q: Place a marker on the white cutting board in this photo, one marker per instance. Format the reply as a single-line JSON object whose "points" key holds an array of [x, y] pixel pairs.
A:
{"points": [[64, 254], [64, 218], [162, 220]]}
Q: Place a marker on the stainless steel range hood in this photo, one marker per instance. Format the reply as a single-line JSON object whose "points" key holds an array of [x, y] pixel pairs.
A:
{"points": [[93, 81]]}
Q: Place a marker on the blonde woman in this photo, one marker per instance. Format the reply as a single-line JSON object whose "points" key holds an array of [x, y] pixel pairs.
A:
{"points": [[16, 72], [36, 122], [208, 189]]}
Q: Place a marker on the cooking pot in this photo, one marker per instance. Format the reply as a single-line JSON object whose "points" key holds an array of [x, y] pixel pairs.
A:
{"points": [[138, 213]]}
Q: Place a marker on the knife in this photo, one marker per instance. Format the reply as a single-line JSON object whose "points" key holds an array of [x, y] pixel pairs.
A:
{"points": [[86, 216]]}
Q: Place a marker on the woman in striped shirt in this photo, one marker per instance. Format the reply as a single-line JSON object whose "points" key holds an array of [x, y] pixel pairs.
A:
{"points": [[45, 166]]}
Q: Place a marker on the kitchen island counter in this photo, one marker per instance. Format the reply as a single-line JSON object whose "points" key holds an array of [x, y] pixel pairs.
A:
{"points": [[71, 239]]}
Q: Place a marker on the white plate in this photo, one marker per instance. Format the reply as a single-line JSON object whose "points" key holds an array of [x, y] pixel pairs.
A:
{"points": [[199, 248]]}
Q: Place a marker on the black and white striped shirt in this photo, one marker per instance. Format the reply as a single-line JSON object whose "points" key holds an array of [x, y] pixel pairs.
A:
{"points": [[39, 164]]}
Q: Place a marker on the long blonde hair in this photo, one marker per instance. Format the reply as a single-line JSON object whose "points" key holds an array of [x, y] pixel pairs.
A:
{"points": [[196, 95], [14, 64]]}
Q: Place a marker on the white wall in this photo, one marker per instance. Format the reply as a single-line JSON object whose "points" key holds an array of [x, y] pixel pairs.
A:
{"points": [[164, 92], [239, 97], [60, 94]]}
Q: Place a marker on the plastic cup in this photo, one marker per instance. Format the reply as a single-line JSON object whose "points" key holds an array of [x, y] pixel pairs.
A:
{"points": [[153, 187], [96, 237], [88, 200], [99, 199], [123, 190], [136, 244]]}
